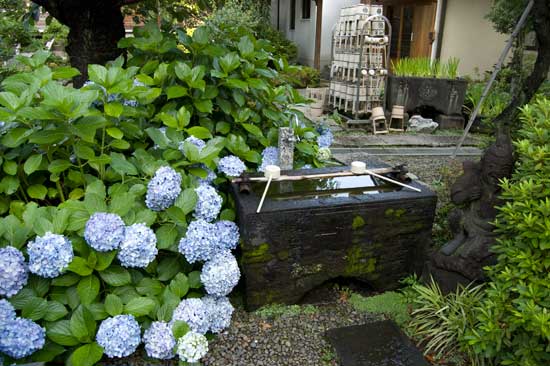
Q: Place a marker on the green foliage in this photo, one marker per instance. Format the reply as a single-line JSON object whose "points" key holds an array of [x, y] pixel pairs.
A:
{"points": [[425, 67], [16, 29], [504, 14], [390, 304], [302, 77], [279, 310], [514, 317], [67, 153], [494, 103], [236, 15], [439, 322]]}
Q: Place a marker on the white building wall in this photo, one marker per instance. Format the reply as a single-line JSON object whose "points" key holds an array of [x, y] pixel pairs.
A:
{"points": [[304, 34], [470, 37]]}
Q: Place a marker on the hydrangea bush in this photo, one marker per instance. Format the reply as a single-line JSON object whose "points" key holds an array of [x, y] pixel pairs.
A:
{"points": [[113, 196]]}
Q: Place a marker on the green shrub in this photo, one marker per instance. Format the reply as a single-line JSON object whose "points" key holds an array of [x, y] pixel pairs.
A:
{"points": [[68, 153], [236, 15], [439, 321], [514, 318], [390, 304], [302, 77]]}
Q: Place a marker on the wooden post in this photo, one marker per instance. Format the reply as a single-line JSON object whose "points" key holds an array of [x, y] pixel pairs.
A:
{"points": [[318, 34]]}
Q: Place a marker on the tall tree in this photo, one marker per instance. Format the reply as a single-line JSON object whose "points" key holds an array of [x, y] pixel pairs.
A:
{"points": [[97, 26]]}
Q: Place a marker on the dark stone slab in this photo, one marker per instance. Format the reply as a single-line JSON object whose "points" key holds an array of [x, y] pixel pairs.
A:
{"points": [[444, 95], [375, 344], [295, 245]]}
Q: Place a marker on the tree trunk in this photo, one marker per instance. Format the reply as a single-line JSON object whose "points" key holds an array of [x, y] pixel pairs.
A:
{"points": [[541, 18], [93, 39], [95, 29]]}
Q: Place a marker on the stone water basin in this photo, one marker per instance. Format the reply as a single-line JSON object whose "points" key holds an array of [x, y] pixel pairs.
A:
{"points": [[313, 231]]}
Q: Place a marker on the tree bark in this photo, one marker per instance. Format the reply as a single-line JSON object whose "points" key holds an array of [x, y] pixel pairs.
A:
{"points": [[541, 18], [95, 29]]}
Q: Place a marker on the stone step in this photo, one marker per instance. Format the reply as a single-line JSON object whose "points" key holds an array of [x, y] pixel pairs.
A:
{"points": [[379, 343]]}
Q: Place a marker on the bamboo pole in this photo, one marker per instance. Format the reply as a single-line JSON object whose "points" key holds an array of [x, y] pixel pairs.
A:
{"points": [[473, 116]]}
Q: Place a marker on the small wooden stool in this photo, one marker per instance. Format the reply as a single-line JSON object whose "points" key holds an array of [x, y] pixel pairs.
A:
{"points": [[397, 117], [378, 117]]}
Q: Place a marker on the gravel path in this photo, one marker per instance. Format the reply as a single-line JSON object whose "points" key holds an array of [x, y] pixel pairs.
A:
{"points": [[286, 340]]}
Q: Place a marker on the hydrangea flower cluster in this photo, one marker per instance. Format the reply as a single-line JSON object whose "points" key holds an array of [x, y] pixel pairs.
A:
{"points": [[325, 137], [139, 246], [192, 347], [119, 336], [324, 154], [163, 189], [49, 255], [159, 341], [270, 156], [104, 231], [219, 311], [7, 312], [199, 241], [21, 337], [209, 203], [228, 235], [209, 177], [200, 144], [130, 103], [194, 313], [220, 274], [13, 271], [231, 166]]}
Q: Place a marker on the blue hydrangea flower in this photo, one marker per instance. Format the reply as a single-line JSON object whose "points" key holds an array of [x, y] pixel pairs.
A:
{"points": [[163, 189], [139, 246], [270, 156], [7, 312], [210, 177], [307, 166], [192, 347], [104, 231], [209, 203], [194, 313], [159, 341], [231, 166], [49, 255], [13, 271], [138, 83], [113, 97], [130, 103], [200, 144], [21, 337], [199, 243], [119, 336], [325, 137], [219, 311], [220, 274], [228, 235]]}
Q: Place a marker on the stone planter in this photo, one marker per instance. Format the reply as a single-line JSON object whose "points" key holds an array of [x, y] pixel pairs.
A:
{"points": [[320, 230], [445, 96]]}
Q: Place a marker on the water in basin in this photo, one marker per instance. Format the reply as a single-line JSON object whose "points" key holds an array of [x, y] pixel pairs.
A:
{"points": [[324, 187]]}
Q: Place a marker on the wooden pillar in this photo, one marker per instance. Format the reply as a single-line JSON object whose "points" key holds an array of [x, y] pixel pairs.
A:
{"points": [[318, 34]]}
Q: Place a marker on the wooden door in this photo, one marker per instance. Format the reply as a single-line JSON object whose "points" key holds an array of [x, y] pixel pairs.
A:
{"points": [[423, 22]]}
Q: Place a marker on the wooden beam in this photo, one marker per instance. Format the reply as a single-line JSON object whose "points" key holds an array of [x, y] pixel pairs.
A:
{"points": [[318, 34]]}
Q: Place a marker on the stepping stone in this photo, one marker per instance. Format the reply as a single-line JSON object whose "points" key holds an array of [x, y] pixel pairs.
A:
{"points": [[380, 343]]}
